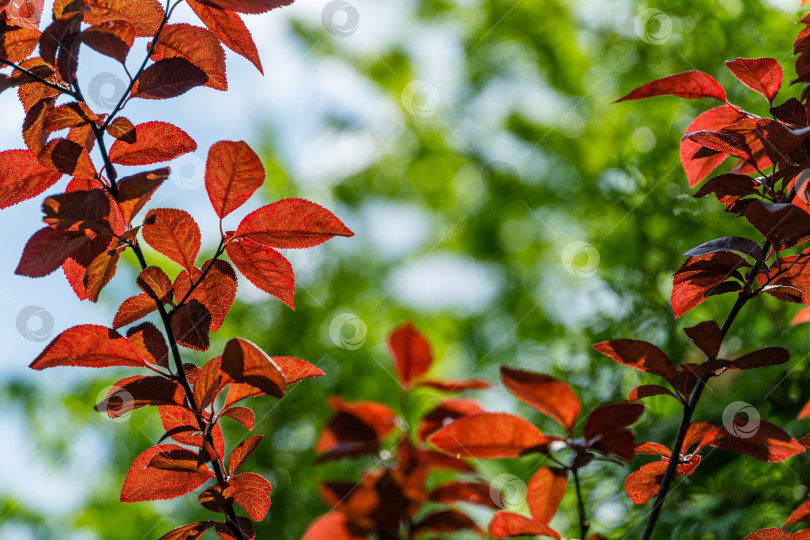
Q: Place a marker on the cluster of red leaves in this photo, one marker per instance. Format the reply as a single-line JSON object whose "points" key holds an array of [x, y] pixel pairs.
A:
{"points": [[394, 500], [776, 204], [92, 223], [499, 435]]}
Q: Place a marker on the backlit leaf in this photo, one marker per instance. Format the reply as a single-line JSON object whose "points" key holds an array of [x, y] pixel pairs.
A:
{"points": [[198, 46], [233, 173], [763, 75], [229, 29], [265, 267], [155, 142], [174, 233], [252, 492], [689, 85], [89, 345], [145, 483], [244, 362], [22, 177], [545, 492], [638, 354], [488, 435], [242, 452], [509, 525], [411, 352], [168, 78], [548, 395]]}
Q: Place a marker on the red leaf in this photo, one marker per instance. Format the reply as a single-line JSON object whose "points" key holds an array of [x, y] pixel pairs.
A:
{"points": [[89, 345], [707, 336], [699, 277], [265, 267], [762, 440], [770, 356], [509, 525], [134, 309], [154, 282], [111, 38], [47, 249], [191, 323], [291, 223], [99, 273], [638, 354], [695, 433], [68, 157], [643, 485], [233, 173], [140, 391], [488, 435], [145, 483], [446, 521], [802, 513], [647, 390], [208, 383], [216, 292], [248, 6], [468, 492], [653, 449], [155, 142], [545, 492], [68, 115], [763, 75], [22, 177], [176, 418], [245, 362], [150, 343], [225, 532], [243, 415], [135, 191], [801, 317], [295, 369], [411, 352], [174, 233], [191, 531], [198, 46], [714, 119], [689, 85], [449, 410], [611, 418], [242, 452], [454, 385], [548, 395], [732, 144], [144, 14], [330, 526], [252, 492], [770, 534], [123, 130], [168, 78], [229, 29]]}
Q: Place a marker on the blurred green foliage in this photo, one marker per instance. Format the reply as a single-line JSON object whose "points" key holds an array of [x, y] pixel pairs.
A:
{"points": [[525, 154]]}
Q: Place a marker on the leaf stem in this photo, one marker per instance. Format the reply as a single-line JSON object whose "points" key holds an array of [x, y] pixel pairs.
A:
{"points": [[40, 79]]}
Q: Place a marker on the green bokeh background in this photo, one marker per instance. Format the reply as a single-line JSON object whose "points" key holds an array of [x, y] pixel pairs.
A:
{"points": [[524, 157]]}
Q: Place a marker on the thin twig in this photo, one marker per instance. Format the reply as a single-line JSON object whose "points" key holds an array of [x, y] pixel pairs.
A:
{"points": [[583, 518]]}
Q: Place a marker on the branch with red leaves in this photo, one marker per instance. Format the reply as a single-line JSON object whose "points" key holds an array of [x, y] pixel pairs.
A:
{"points": [[90, 225], [776, 205]]}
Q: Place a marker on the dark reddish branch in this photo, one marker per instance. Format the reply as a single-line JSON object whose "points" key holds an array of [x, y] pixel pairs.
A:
{"points": [[689, 408], [195, 284], [583, 517], [182, 378]]}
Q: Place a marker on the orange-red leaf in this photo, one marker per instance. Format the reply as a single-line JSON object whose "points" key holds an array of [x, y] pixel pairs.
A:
{"points": [[191, 531], [689, 85], [611, 418], [168, 78], [411, 352], [174, 233], [233, 173], [153, 281], [509, 524], [150, 343], [714, 119], [133, 309], [763, 75], [638, 354], [99, 273], [252, 492], [248, 6], [216, 292], [771, 534], [242, 452], [643, 484], [548, 395], [488, 435], [145, 483], [229, 29], [291, 223], [144, 14], [155, 142], [23, 177], [762, 440], [111, 38], [245, 362], [89, 345], [191, 323], [545, 492], [265, 267], [243, 415], [295, 369], [140, 391], [136, 190], [198, 46]]}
